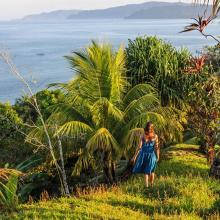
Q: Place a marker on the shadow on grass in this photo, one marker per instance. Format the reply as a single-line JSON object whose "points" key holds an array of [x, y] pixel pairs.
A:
{"points": [[180, 168], [160, 208], [188, 149], [162, 190], [38, 213], [178, 151], [144, 208]]}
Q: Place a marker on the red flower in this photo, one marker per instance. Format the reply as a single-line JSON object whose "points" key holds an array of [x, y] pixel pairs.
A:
{"points": [[197, 64]]}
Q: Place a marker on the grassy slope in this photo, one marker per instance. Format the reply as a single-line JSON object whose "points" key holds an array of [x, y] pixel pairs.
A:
{"points": [[182, 190]]}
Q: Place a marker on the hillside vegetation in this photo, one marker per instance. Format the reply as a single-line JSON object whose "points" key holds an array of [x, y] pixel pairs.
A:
{"points": [[84, 131], [183, 190]]}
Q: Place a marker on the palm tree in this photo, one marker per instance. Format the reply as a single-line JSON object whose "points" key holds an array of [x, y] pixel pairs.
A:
{"points": [[100, 111]]}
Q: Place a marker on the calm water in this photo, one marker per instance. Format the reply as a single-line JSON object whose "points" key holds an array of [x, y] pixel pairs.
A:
{"points": [[38, 49]]}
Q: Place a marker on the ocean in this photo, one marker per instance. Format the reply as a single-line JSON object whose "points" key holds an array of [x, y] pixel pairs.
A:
{"points": [[38, 49]]}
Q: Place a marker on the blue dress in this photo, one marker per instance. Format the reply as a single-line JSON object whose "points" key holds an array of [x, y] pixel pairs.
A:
{"points": [[146, 160]]}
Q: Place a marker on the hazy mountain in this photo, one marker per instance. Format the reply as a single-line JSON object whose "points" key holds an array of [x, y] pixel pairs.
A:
{"points": [[145, 10], [175, 11], [119, 12], [54, 15]]}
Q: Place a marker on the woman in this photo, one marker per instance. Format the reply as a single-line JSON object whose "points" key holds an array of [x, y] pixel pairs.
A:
{"points": [[147, 154]]}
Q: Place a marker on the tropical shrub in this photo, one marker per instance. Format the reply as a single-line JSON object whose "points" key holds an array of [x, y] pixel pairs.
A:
{"points": [[45, 98], [9, 121], [102, 114], [208, 128], [212, 55], [13, 183], [34, 181], [12, 146], [153, 61], [204, 111], [8, 189], [35, 109]]}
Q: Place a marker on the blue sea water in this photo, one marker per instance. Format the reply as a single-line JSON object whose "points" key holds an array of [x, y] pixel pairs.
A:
{"points": [[38, 49]]}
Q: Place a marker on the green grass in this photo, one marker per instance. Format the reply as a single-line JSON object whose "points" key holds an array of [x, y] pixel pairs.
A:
{"points": [[183, 190]]}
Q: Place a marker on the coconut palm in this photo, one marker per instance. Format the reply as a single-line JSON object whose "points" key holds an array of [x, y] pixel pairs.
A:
{"points": [[102, 113]]}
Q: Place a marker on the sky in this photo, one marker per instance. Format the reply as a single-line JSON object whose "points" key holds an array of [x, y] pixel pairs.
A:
{"points": [[12, 9]]}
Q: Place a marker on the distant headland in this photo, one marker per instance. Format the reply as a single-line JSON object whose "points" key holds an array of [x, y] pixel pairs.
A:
{"points": [[147, 10]]}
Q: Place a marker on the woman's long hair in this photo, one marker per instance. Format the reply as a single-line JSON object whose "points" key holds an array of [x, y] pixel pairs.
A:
{"points": [[148, 130]]}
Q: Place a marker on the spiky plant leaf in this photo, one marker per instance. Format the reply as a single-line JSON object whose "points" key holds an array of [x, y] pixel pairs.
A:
{"points": [[74, 129]]}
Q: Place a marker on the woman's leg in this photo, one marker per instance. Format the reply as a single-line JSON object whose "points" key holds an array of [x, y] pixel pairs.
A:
{"points": [[152, 178], [146, 180]]}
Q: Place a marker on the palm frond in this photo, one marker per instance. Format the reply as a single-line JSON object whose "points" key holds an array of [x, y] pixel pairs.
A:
{"points": [[104, 111], [84, 161], [65, 112], [133, 138], [56, 85], [102, 140], [36, 136], [145, 103], [137, 92], [140, 120], [100, 72], [8, 190], [74, 129], [6, 173]]}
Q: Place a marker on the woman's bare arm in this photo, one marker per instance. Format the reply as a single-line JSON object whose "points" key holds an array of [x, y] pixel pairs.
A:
{"points": [[157, 148], [139, 147], [137, 151]]}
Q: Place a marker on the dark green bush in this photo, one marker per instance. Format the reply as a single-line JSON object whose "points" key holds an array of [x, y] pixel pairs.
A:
{"points": [[46, 98], [12, 146], [212, 54], [152, 60]]}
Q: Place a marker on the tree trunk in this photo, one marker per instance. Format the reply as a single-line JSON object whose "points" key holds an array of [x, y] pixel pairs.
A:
{"points": [[113, 171], [63, 172], [211, 155], [210, 143], [215, 168], [107, 167]]}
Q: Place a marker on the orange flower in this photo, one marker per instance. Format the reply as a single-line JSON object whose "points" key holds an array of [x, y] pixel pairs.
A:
{"points": [[197, 64]]}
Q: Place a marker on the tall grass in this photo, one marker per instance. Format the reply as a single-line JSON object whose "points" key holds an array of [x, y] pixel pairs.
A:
{"points": [[183, 190]]}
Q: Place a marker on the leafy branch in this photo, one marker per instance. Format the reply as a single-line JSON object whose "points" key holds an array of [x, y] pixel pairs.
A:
{"points": [[5, 56]]}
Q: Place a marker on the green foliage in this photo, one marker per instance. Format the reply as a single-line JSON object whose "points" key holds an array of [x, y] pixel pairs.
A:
{"points": [[9, 197], [101, 111], [12, 188], [204, 112], [9, 119], [183, 190], [8, 189], [34, 181], [212, 54], [151, 60], [34, 184], [45, 98], [12, 146]]}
